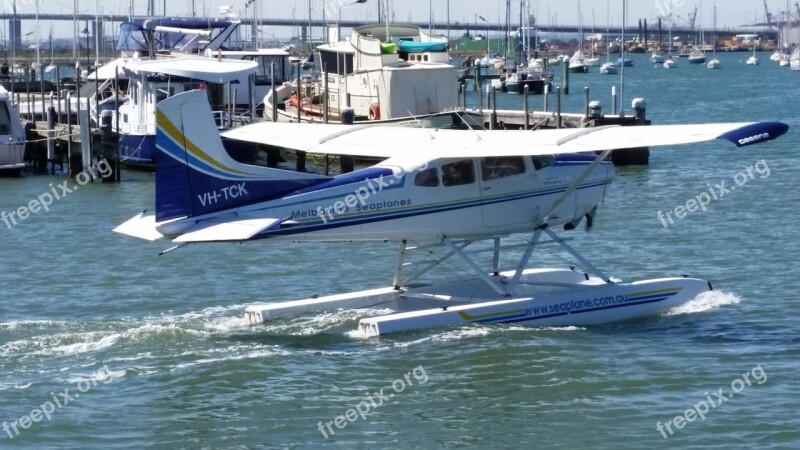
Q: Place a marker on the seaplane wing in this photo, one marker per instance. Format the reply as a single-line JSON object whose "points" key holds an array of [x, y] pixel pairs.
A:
{"points": [[388, 142]]}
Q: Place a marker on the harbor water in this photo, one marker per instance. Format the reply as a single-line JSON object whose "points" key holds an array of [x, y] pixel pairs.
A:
{"points": [[106, 344]]}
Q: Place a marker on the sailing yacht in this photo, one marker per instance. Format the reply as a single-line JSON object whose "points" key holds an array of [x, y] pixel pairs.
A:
{"points": [[697, 56], [608, 67], [714, 63], [670, 63], [577, 64], [753, 60]]}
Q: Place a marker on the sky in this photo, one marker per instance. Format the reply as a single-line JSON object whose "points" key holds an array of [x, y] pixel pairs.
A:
{"points": [[730, 13]]}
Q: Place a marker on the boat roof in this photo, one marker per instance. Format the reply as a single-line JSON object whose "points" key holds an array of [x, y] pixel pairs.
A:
{"points": [[108, 71], [203, 69], [255, 52]]}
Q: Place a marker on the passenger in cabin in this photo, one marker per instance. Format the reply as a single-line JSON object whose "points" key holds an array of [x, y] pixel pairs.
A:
{"points": [[458, 173]]}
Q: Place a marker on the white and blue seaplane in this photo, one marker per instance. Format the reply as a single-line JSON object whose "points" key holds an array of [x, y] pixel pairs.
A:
{"points": [[448, 187]]}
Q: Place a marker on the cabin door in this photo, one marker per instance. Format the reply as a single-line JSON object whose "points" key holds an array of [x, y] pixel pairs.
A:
{"points": [[508, 185]]}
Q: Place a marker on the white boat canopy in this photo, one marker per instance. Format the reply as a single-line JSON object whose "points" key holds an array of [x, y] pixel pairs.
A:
{"points": [[203, 69], [108, 72]]}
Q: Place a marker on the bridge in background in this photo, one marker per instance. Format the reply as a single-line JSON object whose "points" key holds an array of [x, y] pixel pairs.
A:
{"points": [[441, 27]]}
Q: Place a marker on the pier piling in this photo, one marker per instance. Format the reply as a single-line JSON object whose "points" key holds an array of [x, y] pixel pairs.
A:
{"points": [[558, 107], [525, 90]]}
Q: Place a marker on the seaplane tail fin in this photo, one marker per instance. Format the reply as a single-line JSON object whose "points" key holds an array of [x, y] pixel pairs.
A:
{"points": [[196, 176]]}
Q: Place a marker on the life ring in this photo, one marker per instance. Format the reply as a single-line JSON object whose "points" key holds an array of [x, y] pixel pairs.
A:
{"points": [[375, 111]]}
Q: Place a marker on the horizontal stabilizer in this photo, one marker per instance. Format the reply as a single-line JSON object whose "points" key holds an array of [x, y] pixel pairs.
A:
{"points": [[233, 231], [140, 226]]}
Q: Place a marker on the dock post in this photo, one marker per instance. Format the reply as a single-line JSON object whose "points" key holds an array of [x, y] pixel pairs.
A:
{"points": [[274, 94], [31, 115], [480, 100], [251, 88], [347, 162], [493, 118], [558, 107], [299, 112], [586, 102], [51, 138], [58, 92], [613, 100], [566, 77], [640, 110], [86, 138], [325, 100], [525, 90], [546, 96], [478, 81], [232, 107], [464, 96], [70, 166], [96, 100]]}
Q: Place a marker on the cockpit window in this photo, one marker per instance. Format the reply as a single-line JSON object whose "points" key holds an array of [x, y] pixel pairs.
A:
{"points": [[427, 178], [540, 162], [458, 173], [501, 167]]}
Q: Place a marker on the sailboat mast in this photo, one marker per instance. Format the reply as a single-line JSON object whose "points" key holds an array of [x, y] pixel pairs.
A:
{"points": [[38, 40], [97, 33], [622, 58]]}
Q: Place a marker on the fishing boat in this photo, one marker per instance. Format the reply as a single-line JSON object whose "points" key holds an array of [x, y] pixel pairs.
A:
{"points": [[12, 137], [152, 81], [382, 72], [533, 76]]}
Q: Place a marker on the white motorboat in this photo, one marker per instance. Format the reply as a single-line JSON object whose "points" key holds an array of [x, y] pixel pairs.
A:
{"points": [[609, 68], [12, 137]]}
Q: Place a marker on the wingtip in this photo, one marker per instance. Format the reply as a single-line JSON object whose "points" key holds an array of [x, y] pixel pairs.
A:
{"points": [[755, 133]]}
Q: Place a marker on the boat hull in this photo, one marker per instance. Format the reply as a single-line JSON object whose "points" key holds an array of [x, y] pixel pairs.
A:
{"points": [[137, 151], [535, 87]]}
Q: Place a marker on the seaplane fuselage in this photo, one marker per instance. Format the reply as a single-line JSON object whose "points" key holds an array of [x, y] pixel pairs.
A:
{"points": [[407, 200]]}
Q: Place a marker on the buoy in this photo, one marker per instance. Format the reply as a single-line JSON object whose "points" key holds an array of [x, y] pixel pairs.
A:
{"points": [[375, 111]]}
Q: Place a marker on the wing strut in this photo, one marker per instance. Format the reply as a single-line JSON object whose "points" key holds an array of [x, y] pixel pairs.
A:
{"points": [[574, 186]]}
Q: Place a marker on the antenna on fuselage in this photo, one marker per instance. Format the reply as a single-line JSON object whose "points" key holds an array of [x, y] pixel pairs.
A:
{"points": [[422, 125], [466, 122]]}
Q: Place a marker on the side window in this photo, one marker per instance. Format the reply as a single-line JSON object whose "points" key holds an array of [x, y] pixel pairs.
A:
{"points": [[458, 173], [427, 178], [501, 167], [540, 162]]}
